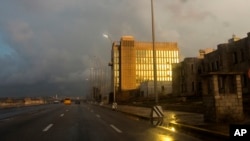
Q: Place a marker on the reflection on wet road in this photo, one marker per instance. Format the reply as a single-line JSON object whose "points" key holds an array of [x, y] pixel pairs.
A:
{"points": [[81, 122]]}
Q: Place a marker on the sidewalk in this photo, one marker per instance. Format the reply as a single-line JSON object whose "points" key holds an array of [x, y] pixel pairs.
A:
{"points": [[181, 121]]}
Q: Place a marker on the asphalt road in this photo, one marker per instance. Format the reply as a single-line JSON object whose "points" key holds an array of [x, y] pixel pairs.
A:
{"points": [[84, 122]]}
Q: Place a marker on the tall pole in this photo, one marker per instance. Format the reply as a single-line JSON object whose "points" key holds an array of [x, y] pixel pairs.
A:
{"points": [[91, 72], [156, 111], [154, 54], [114, 106], [113, 65]]}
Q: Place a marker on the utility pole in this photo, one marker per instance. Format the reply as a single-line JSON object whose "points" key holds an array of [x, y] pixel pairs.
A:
{"points": [[156, 112], [154, 54], [114, 105]]}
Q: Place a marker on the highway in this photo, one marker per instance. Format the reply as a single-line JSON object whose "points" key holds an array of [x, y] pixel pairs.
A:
{"points": [[81, 122]]}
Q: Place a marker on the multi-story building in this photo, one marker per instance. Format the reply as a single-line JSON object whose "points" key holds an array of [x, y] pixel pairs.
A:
{"points": [[186, 75], [228, 57], [133, 64], [231, 57]]}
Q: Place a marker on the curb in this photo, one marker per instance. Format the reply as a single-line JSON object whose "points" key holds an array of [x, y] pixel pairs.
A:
{"points": [[192, 130]]}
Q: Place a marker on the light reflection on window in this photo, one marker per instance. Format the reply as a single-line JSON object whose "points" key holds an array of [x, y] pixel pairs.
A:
{"points": [[164, 60]]}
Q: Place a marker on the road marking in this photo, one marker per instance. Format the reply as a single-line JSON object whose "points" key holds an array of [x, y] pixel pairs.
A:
{"points": [[67, 110], [61, 115], [47, 128], [115, 128], [98, 116]]}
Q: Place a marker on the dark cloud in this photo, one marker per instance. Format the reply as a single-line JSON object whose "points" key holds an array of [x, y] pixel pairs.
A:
{"points": [[50, 45], [187, 11]]}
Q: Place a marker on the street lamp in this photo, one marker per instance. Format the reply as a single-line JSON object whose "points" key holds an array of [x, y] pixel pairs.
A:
{"points": [[154, 54], [114, 105], [156, 111], [108, 37]]}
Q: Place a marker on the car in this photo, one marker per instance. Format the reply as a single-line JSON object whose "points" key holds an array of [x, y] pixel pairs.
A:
{"points": [[67, 101]]}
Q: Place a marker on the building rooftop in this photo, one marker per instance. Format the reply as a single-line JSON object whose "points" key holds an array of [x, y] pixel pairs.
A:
{"points": [[127, 37]]}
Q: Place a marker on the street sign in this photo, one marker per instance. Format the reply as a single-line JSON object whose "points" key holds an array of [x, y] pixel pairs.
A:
{"points": [[157, 116]]}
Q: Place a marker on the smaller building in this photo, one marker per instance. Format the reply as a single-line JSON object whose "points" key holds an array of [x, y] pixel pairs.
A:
{"points": [[186, 75]]}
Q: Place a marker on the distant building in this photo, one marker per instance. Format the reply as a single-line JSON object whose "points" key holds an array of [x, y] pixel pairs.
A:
{"points": [[133, 65], [203, 52]]}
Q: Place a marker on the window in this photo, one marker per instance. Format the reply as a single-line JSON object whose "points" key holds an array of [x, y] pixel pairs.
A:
{"points": [[193, 86], [217, 65], [192, 68], [221, 84], [220, 60], [241, 55], [235, 61]]}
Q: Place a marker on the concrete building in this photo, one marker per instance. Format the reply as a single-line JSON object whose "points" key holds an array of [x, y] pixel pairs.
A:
{"points": [[232, 56], [186, 75], [132, 63]]}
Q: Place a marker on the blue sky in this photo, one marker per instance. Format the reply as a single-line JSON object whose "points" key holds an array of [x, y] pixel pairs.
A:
{"points": [[4, 48], [56, 42]]}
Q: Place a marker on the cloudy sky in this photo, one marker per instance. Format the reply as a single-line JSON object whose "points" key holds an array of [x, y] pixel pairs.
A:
{"points": [[49, 46]]}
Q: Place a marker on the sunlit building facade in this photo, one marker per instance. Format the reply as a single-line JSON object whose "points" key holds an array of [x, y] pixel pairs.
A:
{"points": [[133, 63]]}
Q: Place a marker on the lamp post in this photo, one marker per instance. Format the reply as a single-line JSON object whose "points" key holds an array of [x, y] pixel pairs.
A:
{"points": [[108, 37], [91, 76], [114, 105], [154, 54], [156, 112]]}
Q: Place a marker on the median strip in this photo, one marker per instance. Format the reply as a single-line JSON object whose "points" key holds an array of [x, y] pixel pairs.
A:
{"points": [[47, 128]]}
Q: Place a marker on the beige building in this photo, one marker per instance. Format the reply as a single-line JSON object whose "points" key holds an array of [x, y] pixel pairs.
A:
{"points": [[133, 64]]}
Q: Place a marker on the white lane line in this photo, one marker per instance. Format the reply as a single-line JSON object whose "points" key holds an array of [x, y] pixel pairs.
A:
{"points": [[115, 128], [98, 116], [67, 110], [61, 115], [47, 128]]}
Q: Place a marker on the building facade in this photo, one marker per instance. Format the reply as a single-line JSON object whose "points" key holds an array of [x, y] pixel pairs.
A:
{"points": [[228, 57], [186, 75], [186, 80], [231, 57], [133, 64]]}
